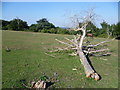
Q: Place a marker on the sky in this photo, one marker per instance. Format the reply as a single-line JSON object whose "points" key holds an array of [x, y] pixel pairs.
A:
{"points": [[59, 13]]}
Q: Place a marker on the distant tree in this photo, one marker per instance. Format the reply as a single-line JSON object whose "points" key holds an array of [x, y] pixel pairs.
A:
{"points": [[104, 27], [104, 30], [44, 31], [33, 28], [72, 32], [91, 27], [62, 31], [53, 30], [96, 32], [18, 25], [44, 24], [4, 24], [104, 24], [116, 29], [110, 30]]}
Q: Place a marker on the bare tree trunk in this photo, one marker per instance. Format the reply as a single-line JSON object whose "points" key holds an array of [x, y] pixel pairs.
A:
{"points": [[77, 46], [87, 67]]}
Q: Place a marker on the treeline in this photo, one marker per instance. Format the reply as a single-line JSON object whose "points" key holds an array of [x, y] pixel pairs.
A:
{"points": [[44, 26], [105, 30]]}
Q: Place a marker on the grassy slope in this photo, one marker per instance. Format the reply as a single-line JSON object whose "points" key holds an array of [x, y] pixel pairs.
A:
{"points": [[27, 60]]}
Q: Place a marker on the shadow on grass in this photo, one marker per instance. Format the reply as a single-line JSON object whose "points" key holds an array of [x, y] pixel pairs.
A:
{"points": [[48, 84], [23, 82]]}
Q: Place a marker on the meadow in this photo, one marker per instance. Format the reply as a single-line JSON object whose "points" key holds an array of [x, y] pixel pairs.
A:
{"points": [[27, 60]]}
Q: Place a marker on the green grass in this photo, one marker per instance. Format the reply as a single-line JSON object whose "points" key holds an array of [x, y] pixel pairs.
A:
{"points": [[27, 60]]}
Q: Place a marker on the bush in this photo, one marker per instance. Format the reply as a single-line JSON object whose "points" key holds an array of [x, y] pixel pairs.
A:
{"points": [[43, 31], [53, 30], [102, 35], [62, 31], [72, 32], [33, 28]]}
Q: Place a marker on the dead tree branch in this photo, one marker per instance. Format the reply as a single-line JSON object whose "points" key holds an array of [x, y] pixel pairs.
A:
{"points": [[63, 42], [96, 51], [99, 43], [82, 51]]}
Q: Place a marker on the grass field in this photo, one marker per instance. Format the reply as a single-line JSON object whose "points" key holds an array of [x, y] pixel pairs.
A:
{"points": [[27, 61]]}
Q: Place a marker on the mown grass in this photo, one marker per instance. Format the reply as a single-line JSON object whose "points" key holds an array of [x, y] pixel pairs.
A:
{"points": [[27, 60]]}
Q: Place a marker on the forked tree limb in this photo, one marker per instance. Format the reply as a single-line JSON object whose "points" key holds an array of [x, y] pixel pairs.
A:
{"points": [[87, 67]]}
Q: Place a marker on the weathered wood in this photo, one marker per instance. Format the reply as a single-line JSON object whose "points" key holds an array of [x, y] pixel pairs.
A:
{"points": [[39, 84], [87, 68], [101, 50], [99, 43], [83, 51]]}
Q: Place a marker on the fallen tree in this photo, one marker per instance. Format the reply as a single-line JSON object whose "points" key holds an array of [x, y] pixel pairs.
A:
{"points": [[76, 44]]}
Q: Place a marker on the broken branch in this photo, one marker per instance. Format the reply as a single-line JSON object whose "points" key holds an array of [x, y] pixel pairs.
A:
{"points": [[98, 44], [64, 43], [71, 41], [95, 51]]}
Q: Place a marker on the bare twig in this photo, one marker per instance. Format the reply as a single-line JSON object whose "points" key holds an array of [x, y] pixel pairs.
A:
{"points": [[98, 44], [73, 54], [50, 55], [95, 51], [60, 49], [71, 41], [64, 43]]}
